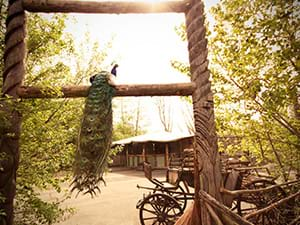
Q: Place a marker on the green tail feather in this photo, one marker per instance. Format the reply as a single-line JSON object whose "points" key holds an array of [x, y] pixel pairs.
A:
{"points": [[95, 136]]}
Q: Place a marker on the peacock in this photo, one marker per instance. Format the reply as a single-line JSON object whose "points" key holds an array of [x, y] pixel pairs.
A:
{"points": [[95, 136]]}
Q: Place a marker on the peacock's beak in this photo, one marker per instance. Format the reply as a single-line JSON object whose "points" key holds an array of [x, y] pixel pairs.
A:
{"points": [[111, 80]]}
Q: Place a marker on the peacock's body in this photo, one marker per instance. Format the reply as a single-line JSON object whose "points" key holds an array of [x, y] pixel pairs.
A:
{"points": [[95, 136]]}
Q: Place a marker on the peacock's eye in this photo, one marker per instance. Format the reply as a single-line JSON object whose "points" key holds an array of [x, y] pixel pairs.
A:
{"points": [[92, 137], [91, 119]]}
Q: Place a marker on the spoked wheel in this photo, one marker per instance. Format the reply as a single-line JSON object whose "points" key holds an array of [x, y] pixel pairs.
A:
{"points": [[261, 200], [179, 194], [159, 209]]}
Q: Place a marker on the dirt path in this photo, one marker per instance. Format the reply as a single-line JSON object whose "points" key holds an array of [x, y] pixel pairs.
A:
{"points": [[116, 203]]}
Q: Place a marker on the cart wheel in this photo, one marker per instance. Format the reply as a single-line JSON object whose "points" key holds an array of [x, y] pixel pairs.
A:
{"points": [[180, 196], [159, 209], [262, 200]]}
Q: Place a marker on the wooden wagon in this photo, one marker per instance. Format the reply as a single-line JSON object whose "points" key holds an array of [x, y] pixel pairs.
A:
{"points": [[245, 192]]}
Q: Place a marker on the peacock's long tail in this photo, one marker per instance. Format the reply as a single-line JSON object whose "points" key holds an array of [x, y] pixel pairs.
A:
{"points": [[95, 136]]}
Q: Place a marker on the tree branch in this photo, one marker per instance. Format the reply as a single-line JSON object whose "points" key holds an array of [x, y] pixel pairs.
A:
{"points": [[275, 115]]}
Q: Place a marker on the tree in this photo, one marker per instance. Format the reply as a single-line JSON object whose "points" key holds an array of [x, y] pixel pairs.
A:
{"points": [[255, 67], [128, 124], [188, 115], [46, 142], [3, 7], [50, 126], [254, 61], [165, 113]]}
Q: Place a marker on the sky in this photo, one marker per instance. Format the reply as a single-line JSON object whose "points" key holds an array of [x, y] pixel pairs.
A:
{"points": [[143, 46]]}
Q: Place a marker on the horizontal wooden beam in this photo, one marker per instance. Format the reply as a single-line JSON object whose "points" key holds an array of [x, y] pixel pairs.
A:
{"points": [[223, 210], [176, 89], [258, 190], [112, 7]]}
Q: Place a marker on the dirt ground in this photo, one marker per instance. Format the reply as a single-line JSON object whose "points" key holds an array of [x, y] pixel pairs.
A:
{"points": [[116, 205]]}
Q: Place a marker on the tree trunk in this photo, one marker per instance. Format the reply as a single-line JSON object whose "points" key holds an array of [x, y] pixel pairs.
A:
{"points": [[277, 157], [137, 119]]}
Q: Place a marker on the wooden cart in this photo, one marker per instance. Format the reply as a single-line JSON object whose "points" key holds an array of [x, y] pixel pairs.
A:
{"points": [[168, 199], [245, 192]]}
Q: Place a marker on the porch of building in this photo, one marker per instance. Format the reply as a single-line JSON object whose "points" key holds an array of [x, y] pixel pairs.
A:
{"points": [[156, 148]]}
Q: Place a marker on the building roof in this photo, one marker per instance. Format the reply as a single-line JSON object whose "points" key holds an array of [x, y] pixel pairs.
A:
{"points": [[153, 137]]}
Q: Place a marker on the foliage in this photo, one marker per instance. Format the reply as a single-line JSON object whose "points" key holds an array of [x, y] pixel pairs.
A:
{"points": [[36, 210], [47, 138], [49, 126], [3, 7], [128, 124], [254, 62], [165, 112], [123, 129], [255, 67]]}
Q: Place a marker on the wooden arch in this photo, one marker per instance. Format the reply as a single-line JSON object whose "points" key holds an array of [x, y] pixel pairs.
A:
{"points": [[207, 158]]}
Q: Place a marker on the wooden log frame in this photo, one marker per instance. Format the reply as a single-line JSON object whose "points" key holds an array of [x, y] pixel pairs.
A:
{"points": [[215, 208], [206, 156], [14, 67], [180, 89], [206, 153], [73, 6]]}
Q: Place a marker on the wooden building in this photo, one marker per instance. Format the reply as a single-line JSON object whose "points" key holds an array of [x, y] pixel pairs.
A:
{"points": [[156, 148]]}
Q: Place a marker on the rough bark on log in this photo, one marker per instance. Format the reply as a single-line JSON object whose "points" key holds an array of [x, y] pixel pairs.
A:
{"points": [[14, 55], [214, 215], [194, 26], [202, 69], [217, 206], [200, 94], [178, 89], [198, 48], [196, 9], [196, 36], [113, 7], [200, 59], [205, 136]]}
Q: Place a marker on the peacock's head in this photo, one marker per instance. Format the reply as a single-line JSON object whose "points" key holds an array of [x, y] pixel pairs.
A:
{"points": [[102, 78]]}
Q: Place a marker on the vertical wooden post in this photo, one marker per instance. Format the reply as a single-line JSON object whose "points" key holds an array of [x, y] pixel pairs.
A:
{"points": [[127, 157], [167, 155], [207, 157], [144, 152], [13, 75], [180, 148]]}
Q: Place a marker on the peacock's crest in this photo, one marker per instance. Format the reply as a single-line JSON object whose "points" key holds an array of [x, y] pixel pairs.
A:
{"points": [[95, 136]]}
